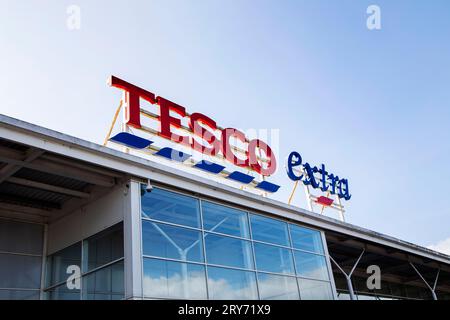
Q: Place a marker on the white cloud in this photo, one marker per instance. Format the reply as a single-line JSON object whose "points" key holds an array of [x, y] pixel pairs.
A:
{"points": [[442, 246], [193, 286]]}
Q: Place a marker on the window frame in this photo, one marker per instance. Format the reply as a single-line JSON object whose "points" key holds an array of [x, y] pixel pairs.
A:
{"points": [[41, 255], [83, 273], [203, 257], [288, 222]]}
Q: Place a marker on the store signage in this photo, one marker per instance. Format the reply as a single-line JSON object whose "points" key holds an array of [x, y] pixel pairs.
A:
{"points": [[206, 137], [316, 177], [203, 135]]}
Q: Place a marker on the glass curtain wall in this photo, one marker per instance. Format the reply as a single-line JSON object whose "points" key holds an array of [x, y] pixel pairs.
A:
{"points": [[197, 249], [92, 269], [21, 248]]}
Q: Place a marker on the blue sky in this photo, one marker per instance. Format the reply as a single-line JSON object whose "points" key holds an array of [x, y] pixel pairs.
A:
{"points": [[374, 106]]}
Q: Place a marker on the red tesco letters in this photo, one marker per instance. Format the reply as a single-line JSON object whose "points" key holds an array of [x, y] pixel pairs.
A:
{"points": [[200, 125]]}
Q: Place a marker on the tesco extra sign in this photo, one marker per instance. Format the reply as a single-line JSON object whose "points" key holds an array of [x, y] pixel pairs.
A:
{"points": [[202, 126], [211, 140], [316, 177]]}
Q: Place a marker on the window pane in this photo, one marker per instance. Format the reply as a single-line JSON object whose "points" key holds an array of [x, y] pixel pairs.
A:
{"points": [[224, 220], [166, 241], [228, 284], [366, 297], [105, 284], [269, 230], [273, 259], [397, 289], [104, 247], [311, 265], [343, 296], [62, 292], [21, 237], [58, 262], [19, 294], [274, 287], [314, 290], [176, 280], [306, 239], [228, 251], [20, 271], [171, 207]]}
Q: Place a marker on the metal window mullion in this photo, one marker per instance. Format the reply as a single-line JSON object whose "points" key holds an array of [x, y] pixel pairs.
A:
{"points": [[169, 223], [20, 289], [225, 234], [53, 286], [81, 267], [204, 248], [21, 254], [295, 264], [272, 244], [141, 243], [278, 274], [312, 279], [254, 254], [288, 247], [44, 262], [146, 256], [106, 265]]}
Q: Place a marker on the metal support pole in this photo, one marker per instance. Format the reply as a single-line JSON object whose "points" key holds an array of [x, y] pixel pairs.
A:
{"points": [[116, 114], [293, 191], [42, 295], [348, 277], [433, 290], [133, 242], [308, 198], [350, 288], [341, 209]]}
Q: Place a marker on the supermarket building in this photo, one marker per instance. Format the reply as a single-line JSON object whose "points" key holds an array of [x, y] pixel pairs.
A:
{"points": [[83, 221]]}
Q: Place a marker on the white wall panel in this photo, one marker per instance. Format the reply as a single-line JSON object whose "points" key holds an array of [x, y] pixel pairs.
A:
{"points": [[88, 220]]}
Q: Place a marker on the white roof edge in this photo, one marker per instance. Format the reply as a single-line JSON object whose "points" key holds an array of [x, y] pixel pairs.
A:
{"points": [[67, 141]]}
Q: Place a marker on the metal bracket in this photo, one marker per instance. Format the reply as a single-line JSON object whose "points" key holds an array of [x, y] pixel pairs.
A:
{"points": [[432, 289], [348, 276]]}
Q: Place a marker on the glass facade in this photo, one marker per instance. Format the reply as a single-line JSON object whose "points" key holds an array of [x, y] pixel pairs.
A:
{"points": [[92, 269], [227, 251], [59, 262], [197, 249], [192, 248], [173, 280], [274, 259], [171, 242], [21, 249]]}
